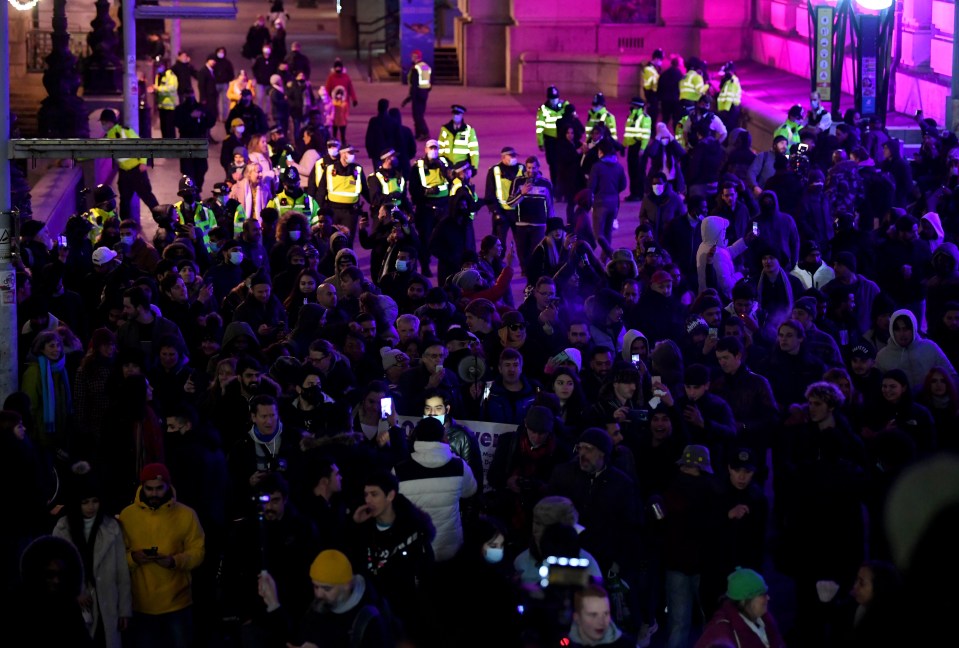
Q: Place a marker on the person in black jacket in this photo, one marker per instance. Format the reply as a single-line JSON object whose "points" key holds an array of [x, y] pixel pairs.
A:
{"points": [[708, 419], [437, 404], [193, 120]]}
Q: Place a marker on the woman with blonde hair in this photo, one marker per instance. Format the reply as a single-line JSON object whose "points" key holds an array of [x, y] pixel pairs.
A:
{"points": [[253, 193]]}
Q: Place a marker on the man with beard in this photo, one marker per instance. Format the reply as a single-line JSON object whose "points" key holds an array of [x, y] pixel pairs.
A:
{"points": [[165, 542], [276, 538]]}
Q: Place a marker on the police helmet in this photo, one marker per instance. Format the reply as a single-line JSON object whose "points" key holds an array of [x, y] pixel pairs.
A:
{"points": [[290, 177], [102, 193], [186, 186]]}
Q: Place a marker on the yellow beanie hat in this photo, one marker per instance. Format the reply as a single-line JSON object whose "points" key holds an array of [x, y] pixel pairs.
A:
{"points": [[331, 567]]}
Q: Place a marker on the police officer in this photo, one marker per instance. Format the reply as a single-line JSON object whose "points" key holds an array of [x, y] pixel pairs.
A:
{"points": [[420, 85], [454, 234], [730, 97], [693, 85], [701, 112], [533, 196], [222, 206], [458, 139], [343, 184], [292, 197], [791, 127], [332, 154], [430, 190], [639, 128], [104, 208], [388, 184], [499, 183], [651, 83], [165, 86], [189, 211], [599, 115], [132, 178], [548, 114]]}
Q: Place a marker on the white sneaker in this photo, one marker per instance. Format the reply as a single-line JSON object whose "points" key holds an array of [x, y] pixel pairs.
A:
{"points": [[615, 223]]}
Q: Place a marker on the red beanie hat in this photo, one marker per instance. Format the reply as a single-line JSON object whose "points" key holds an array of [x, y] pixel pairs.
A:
{"points": [[154, 471]]}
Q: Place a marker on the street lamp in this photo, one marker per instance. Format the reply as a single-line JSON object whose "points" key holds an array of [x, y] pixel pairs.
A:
{"points": [[874, 5], [24, 6]]}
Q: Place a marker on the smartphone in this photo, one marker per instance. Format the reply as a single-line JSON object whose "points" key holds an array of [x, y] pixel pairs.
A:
{"points": [[62, 241], [656, 379], [438, 369], [635, 358], [713, 332], [755, 228], [386, 407], [803, 149], [638, 415], [487, 389]]}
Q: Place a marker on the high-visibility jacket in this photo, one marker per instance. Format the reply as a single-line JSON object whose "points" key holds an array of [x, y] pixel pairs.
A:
{"points": [[692, 86], [202, 217], [730, 95], [344, 188], [680, 132], [461, 145], [470, 205], [388, 185], [639, 128], [119, 132], [789, 130], [650, 78], [503, 184], [419, 76], [601, 116], [166, 88], [433, 177], [546, 119], [97, 217], [283, 202]]}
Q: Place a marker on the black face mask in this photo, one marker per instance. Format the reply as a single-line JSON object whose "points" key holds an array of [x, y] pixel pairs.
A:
{"points": [[110, 206], [767, 207], [312, 395]]}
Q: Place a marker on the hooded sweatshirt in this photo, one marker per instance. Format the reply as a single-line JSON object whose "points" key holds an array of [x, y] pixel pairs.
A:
{"points": [[714, 234], [933, 219], [917, 358], [628, 339], [778, 230], [610, 638]]}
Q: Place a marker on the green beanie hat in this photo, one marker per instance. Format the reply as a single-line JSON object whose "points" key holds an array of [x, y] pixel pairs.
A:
{"points": [[744, 584]]}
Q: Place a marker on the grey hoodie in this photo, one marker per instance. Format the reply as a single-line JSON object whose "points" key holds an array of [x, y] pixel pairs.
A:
{"points": [[916, 359]]}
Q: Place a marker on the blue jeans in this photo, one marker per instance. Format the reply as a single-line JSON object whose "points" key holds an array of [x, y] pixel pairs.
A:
{"points": [[171, 630], [682, 594]]}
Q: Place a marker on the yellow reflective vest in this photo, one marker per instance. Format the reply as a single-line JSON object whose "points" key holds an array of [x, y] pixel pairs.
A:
{"points": [[166, 90], [639, 128], [461, 145], [681, 131], [730, 95], [692, 86], [97, 217], [601, 116], [119, 132], [504, 185], [203, 219], [546, 119], [283, 202], [344, 189], [650, 78], [433, 178], [419, 76]]}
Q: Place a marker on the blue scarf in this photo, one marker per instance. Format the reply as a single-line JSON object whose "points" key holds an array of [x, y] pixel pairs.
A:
{"points": [[49, 392]]}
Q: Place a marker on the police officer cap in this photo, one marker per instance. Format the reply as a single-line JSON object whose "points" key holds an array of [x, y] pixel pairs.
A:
{"points": [[333, 143], [552, 92], [462, 164], [795, 112], [108, 115], [387, 154], [186, 185], [290, 176], [458, 109], [508, 150], [221, 189], [349, 148], [658, 53], [599, 99], [103, 193], [637, 102]]}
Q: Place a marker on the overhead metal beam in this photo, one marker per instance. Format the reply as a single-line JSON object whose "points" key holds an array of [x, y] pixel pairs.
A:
{"points": [[77, 149], [189, 10]]}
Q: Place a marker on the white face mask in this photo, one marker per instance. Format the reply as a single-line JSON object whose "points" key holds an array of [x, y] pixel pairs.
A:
{"points": [[220, 55], [350, 158], [493, 555], [127, 240], [402, 265], [236, 258], [332, 152], [266, 52], [240, 130], [658, 189], [439, 417], [295, 235], [433, 154], [513, 161]]}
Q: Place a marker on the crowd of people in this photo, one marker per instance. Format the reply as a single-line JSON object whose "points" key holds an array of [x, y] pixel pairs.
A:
{"points": [[236, 434]]}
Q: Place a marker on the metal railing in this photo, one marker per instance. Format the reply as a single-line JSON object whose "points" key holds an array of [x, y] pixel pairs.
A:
{"points": [[386, 44], [40, 44], [388, 22]]}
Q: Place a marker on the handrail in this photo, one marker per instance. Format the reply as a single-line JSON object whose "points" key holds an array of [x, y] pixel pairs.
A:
{"points": [[385, 43], [384, 19]]}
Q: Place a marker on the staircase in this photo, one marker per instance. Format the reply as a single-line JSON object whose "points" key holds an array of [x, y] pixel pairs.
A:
{"points": [[446, 67]]}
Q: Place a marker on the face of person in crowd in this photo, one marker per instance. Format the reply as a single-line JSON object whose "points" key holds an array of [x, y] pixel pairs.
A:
{"points": [[713, 316], [435, 407], [376, 500], [326, 296], [892, 390], [938, 385], [368, 329], [789, 340], [780, 147], [664, 288], [131, 369], [862, 589], [729, 196], [624, 390], [728, 362], [354, 348], [601, 364], [416, 292], [532, 170], [253, 231], [347, 156], [266, 419], [250, 380], [594, 618], [743, 306], [563, 387], [861, 366], [695, 392], [107, 350], [154, 491], [733, 330], [474, 324], [657, 186], [819, 410], [433, 357], [178, 292], [515, 334], [902, 331], [169, 357], [511, 370], [578, 335], [615, 314], [591, 458], [631, 292], [640, 348], [261, 293], [275, 508], [740, 478], [89, 507], [52, 350], [757, 607], [543, 294], [660, 425], [407, 330]]}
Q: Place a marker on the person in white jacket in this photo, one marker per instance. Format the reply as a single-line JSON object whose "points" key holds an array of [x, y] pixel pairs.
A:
{"points": [[910, 353], [713, 252], [435, 480]]}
